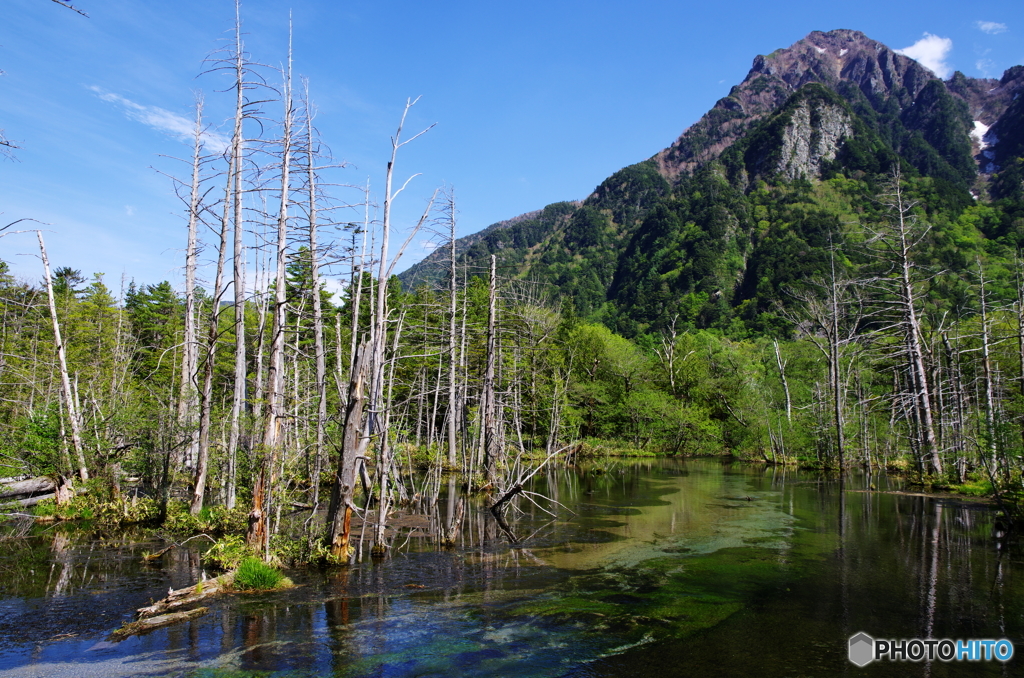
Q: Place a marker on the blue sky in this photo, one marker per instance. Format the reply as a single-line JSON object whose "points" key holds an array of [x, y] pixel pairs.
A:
{"points": [[534, 101]]}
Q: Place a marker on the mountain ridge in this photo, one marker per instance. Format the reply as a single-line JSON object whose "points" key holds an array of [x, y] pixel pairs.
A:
{"points": [[834, 103]]}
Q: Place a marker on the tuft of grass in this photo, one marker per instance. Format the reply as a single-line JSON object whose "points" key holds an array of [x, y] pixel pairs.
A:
{"points": [[255, 575]]}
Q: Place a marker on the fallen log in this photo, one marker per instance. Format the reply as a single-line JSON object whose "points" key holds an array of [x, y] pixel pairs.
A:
{"points": [[30, 486], [176, 600], [153, 623], [68, 491], [25, 503]]}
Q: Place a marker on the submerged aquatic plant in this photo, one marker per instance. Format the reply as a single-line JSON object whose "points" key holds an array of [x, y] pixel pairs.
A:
{"points": [[254, 574]]}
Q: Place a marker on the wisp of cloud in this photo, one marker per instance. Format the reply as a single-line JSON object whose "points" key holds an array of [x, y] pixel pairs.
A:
{"points": [[990, 27], [930, 51], [163, 120]]}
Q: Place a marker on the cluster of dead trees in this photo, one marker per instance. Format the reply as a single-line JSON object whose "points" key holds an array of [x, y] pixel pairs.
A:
{"points": [[262, 195], [950, 408]]}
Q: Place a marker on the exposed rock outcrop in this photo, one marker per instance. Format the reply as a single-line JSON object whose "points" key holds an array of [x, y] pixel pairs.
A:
{"points": [[813, 136]]}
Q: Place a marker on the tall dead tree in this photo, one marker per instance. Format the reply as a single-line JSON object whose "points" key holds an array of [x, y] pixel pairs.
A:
{"points": [[240, 68], [381, 314], [353, 449], [259, 529], [895, 242], [188, 395], [206, 390], [312, 215], [67, 394], [452, 356], [489, 421]]}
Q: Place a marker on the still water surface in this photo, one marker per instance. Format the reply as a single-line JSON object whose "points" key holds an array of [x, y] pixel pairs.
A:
{"points": [[665, 567]]}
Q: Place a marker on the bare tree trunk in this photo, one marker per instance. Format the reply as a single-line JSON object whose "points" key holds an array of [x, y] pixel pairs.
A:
{"points": [[1020, 337], [916, 357], [259, 518], [353, 446], [65, 380], [895, 242], [489, 421], [318, 314], [206, 392], [378, 405], [188, 394], [238, 257], [357, 271], [834, 368], [785, 383], [990, 426], [452, 357]]}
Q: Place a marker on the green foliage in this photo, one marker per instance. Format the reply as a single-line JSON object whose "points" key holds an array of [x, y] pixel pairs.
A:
{"points": [[105, 512], [975, 487], [227, 552], [36, 439], [211, 520], [255, 575]]}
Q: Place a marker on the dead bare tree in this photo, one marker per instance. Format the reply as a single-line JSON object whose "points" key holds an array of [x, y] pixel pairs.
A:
{"points": [[70, 402], [452, 423], [830, 314], [894, 242], [386, 266], [259, 529], [353, 449]]}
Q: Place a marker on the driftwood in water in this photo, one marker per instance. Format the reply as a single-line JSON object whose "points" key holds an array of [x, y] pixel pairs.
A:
{"points": [[152, 623], [176, 600], [30, 486]]}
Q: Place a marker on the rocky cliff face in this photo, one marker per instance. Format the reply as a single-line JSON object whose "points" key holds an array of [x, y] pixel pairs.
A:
{"points": [[813, 136]]}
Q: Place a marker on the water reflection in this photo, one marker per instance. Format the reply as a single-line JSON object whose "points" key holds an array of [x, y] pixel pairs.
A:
{"points": [[654, 567]]}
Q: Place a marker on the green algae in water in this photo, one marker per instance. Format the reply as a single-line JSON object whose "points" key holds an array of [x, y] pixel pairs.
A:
{"points": [[669, 597]]}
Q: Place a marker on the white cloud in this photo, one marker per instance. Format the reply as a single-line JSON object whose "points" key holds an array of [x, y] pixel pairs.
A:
{"points": [[990, 27], [985, 66], [129, 210], [163, 120], [930, 51]]}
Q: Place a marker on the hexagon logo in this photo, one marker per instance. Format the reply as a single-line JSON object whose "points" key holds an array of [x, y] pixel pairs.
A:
{"points": [[862, 649]]}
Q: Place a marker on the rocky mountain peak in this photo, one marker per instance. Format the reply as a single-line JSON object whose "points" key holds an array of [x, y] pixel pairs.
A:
{"points": [[828, 58], [831, 57]]}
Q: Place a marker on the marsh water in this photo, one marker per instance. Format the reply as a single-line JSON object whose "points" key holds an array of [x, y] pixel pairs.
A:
{"points": [[655, 567]]}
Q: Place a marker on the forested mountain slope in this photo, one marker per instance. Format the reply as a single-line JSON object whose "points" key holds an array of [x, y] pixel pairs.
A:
{"points": [[723, 226]]}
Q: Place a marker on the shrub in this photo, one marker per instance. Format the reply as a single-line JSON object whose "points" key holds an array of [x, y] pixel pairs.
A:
{"points": [[226, 553], [215, 520], [254, 574]]}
